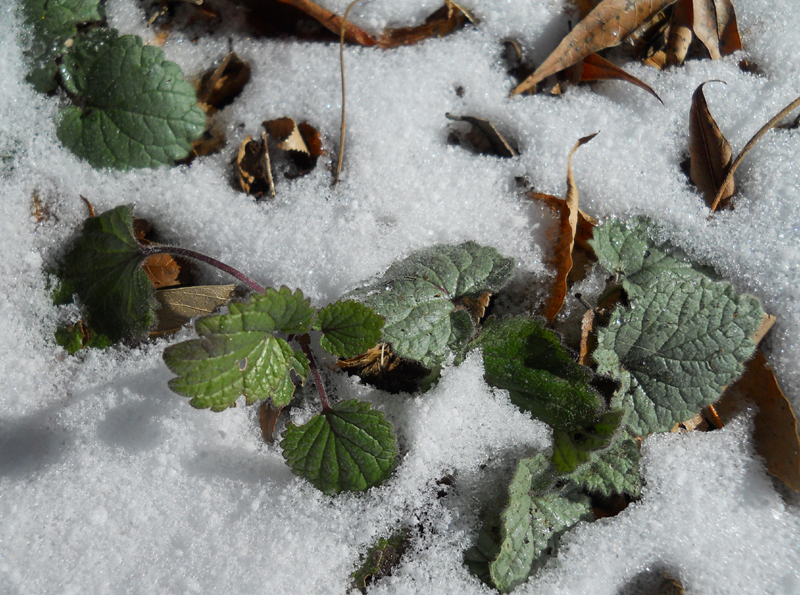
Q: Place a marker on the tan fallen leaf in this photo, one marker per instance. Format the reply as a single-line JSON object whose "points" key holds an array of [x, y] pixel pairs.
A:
{"points": [[568, 214], [715, 25], [254, 168], [219, 87], [447, 19], [597, 68], [485, 138], [162, 270], [680, 32], [606, 26], [720, 197], [710, 152], [775, 432], [332, 22], [179, 305]]}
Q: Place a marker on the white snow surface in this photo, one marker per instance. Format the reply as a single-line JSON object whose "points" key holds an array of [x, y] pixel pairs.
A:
{"points": [[110, 483]]}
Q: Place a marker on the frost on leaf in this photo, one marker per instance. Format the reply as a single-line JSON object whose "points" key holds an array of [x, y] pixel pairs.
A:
{"points": [[350, 447], [52, 23], [612, 471], [348, 328], [136, 108], [103, 267], [419, 297], [237, 354], [533, 520], [528, 360], [683, 338]]}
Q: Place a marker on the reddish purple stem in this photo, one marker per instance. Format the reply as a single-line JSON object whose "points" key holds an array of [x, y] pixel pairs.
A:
{"points": [[317, 378]]}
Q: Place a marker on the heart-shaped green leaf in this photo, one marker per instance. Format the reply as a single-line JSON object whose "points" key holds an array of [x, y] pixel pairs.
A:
{"points": [[350, 447]]}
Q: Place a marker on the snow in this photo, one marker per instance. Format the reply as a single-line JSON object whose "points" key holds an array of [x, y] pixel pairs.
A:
{"points": [[110, 483]]}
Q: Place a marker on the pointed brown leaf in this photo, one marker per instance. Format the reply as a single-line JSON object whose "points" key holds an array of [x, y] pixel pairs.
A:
{"points": [[597, 68], [775, 433], [710, 152], [715, 25], [719, 199], [606, 26], [680, 32], [485, 138], [178, 306], [162, 270], [447, 19]]}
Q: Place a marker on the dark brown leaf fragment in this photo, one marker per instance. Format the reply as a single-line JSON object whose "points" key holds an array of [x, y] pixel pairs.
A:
{"points": [[254, 168], [219, 87], [384, 370], [710, 153], [444, 21], [484, 137], [267, 417]]}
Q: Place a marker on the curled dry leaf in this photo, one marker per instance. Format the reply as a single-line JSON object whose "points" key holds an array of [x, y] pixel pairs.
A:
{"points": [[303, 142], [254, 168], [606, 26], [719, 198], [715, 25], [597, 68], [485, 138], [680, 33], [353, 33], [710, 153], [219, 87], [178, 306], [383, 369], [565, 235], [775, 432], [447, 19]]}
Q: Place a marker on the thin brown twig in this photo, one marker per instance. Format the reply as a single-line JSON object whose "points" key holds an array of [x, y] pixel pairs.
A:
{"points": [[344, 94], [771, 124]]}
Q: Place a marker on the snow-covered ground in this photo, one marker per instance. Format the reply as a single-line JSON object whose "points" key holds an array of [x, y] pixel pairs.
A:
{"points": [[110, 483]]}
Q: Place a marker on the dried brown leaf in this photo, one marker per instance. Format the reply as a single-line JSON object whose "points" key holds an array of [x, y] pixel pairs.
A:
{"points": [[332, 22], [219, 87], [267, 417], [588, 337], [444, 21], [775, 433], [476, 306], [680, 32], [253, 166], [385, 370], [484, 137], [715, 25], [606, 26], [178, 306], [597, 68], [303, 142], [710, 152], [162, 270]]}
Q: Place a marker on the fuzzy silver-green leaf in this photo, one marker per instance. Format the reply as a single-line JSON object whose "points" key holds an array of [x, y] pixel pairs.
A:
{"points": [[417, 297], [612, 471]]}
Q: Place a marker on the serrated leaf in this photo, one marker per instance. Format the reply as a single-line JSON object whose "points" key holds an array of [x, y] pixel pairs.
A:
{"points": [[348, 328], [416, 297], [136, 108], [683, 340], [237, 354], [521, 355], [52, 23], [573, 449], [533, 521], [612, 471], [102, 266], [350, 447]]}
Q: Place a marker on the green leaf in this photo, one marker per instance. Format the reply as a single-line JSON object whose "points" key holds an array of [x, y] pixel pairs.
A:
{"points": [[533, 521], [348, 328], [52, 23], [136, 108], [612, 471], [102, 266], [573, 449], [237, 354], [380, 559], [684, 338], [417, 297], [521, 355], [350, 447]]}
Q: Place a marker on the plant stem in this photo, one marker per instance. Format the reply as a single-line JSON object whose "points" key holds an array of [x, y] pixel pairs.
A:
{"points": [[150, 249], [317, 378]]}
